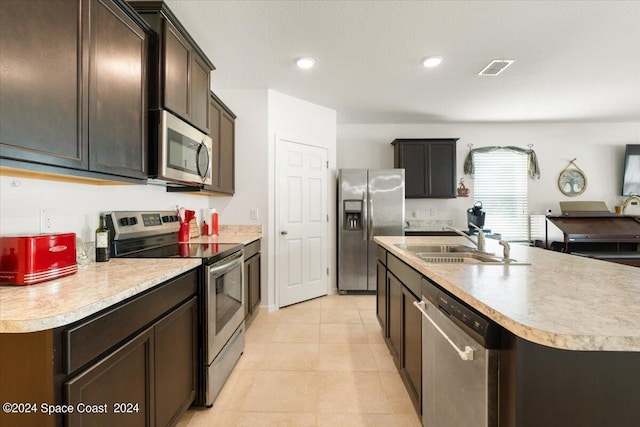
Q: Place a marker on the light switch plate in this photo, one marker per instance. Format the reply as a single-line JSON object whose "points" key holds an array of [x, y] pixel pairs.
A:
{"points": [[253, 214]]}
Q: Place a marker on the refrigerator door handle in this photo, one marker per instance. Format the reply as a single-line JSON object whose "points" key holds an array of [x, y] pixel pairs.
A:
{"points": [[370, 224], [365, 215]]}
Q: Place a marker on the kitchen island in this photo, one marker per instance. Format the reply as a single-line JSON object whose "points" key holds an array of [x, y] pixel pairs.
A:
{"points": [[570, 329]]}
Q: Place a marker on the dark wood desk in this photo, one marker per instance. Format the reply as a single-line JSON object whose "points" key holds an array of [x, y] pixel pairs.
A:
{"points": [[613, 238]]}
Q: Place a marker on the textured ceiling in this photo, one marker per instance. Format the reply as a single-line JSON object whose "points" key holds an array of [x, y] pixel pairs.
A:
{"points": [[575, 60]]}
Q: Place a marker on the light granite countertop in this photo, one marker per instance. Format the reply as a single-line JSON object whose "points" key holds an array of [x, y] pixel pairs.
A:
{"points": [[241, 234], [55, 303], [560, 300]]}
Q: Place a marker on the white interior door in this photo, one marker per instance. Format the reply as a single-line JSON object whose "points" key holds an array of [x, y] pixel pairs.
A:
{"points": [[302, 222]]}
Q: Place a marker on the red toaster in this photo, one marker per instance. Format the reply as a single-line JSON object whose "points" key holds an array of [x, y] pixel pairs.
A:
{"points": [[25, 260]]}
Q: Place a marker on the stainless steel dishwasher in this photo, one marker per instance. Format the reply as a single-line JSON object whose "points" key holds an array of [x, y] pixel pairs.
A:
{"points": [[460, 352]]}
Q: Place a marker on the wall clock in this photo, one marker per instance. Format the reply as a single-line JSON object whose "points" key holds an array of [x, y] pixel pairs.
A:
{"points": [[572, 180]]}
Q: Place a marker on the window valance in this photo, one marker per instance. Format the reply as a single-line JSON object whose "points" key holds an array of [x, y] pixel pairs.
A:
{"points": [[533, 167]]}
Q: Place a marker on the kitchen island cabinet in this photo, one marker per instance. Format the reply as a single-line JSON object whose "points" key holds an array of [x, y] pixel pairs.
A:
{"points": [[140, 349], [569, 349], [403, 322], [93, 118]]}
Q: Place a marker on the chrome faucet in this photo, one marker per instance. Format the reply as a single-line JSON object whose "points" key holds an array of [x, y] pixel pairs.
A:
{"points": [[480, 240], [507, 251]]}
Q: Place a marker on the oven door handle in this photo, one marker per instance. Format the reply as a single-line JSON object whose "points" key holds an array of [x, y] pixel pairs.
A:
{"points": [[226, 264], [466, 354]]}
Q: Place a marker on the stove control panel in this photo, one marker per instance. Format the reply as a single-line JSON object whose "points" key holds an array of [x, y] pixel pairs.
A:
{"points": [[132, 224]]}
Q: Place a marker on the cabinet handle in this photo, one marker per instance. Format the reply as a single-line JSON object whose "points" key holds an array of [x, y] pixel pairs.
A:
{"points": [[466, 354]]}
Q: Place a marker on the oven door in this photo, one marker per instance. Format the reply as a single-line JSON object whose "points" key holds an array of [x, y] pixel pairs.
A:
{"points": [[224, 301], [185, 153]]}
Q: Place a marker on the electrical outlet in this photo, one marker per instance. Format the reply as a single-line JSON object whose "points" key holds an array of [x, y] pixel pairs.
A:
{"points": [[253, 214], [46, 220]]}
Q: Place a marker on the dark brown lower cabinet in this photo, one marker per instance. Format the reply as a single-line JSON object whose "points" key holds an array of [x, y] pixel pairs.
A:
{"points": [[123, 381], [132, 364], [395, 316], [176, 346], [150, 380], [411, 365], [254, 282], [403, 333], [381, 297], [251, 278]]}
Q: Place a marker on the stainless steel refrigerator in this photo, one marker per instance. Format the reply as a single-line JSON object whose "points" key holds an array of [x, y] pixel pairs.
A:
{"points": [[370, 203]]}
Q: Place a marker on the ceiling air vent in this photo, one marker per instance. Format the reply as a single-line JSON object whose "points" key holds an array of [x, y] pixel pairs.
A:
{"points": [[495, 67]]}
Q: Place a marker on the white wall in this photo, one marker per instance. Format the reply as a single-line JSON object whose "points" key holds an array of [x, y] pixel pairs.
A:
{"points": [[263, 114], [599, 148], [299, 120], [75, 207], [251, 154]]}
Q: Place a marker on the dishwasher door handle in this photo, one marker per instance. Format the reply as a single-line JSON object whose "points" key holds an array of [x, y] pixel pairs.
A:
{"points": [[466, 354]]}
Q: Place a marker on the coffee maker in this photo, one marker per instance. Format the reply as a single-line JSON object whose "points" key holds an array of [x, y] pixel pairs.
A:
{"points": [[475, 216]]}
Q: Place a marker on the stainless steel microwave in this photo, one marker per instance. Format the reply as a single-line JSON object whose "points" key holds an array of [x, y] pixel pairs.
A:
{"points": [[185, 152]]}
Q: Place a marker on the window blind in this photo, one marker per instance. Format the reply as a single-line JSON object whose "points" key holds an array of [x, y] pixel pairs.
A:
{"points": [[500, 183]]}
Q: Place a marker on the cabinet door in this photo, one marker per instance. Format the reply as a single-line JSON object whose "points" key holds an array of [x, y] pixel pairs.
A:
{"points": [[42, 75], [411, 366], [395, 315], [125, 376], [117, 93], [177, 57], [199, 92], [441, 164], [247, 288], [254, 283], [381, 297], [222, 126], [430, 167], [215, 114], [413, 160], [176, 359], [227, 154]]}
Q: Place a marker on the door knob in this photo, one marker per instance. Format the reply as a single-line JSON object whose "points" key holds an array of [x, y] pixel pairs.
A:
{"points": [[283, 232]]}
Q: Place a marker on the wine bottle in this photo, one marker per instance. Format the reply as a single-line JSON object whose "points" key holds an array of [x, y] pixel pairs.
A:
{"points": [[102, 240]]}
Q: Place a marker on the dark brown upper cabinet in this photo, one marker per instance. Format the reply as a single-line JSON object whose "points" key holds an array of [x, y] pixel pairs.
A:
{"points": [[73, 91], [222, 147], [430, 166], [181, 71]]}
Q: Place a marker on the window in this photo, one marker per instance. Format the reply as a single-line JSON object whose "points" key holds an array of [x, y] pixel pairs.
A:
{"points": [[500, 183]]}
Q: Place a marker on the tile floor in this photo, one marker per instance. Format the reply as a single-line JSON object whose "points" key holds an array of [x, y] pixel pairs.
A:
{"points": [[318, 363]]}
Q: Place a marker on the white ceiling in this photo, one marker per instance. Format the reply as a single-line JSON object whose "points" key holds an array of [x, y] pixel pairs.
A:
{"points": [[574, 60]]}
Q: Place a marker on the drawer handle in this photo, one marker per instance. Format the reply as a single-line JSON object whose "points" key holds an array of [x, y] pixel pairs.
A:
{"points": [[466, 354]]}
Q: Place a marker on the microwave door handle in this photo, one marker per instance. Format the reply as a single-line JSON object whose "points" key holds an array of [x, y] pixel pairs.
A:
{"points": [[202, 149]]}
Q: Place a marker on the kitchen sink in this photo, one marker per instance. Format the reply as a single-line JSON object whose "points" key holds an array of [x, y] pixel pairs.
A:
{"points": [[466, 258], [461, 254], [435, 248]]}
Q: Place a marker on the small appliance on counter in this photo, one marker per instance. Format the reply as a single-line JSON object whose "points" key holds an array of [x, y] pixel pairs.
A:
{"points": [[29, 259], [476, 216]]}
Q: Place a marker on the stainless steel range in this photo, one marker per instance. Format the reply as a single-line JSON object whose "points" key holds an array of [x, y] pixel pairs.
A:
{"points": [[145, 234]]}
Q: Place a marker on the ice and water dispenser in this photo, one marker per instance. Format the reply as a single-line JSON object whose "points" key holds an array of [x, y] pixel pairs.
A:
{"points": [[352, 215]]}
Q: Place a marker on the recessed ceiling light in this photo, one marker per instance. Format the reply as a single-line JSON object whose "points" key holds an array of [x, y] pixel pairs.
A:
{"points": [[305, 62], [432, 61]]}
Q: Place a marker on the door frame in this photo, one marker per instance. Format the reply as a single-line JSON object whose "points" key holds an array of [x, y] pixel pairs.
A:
{"points": [[276, 217]]}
